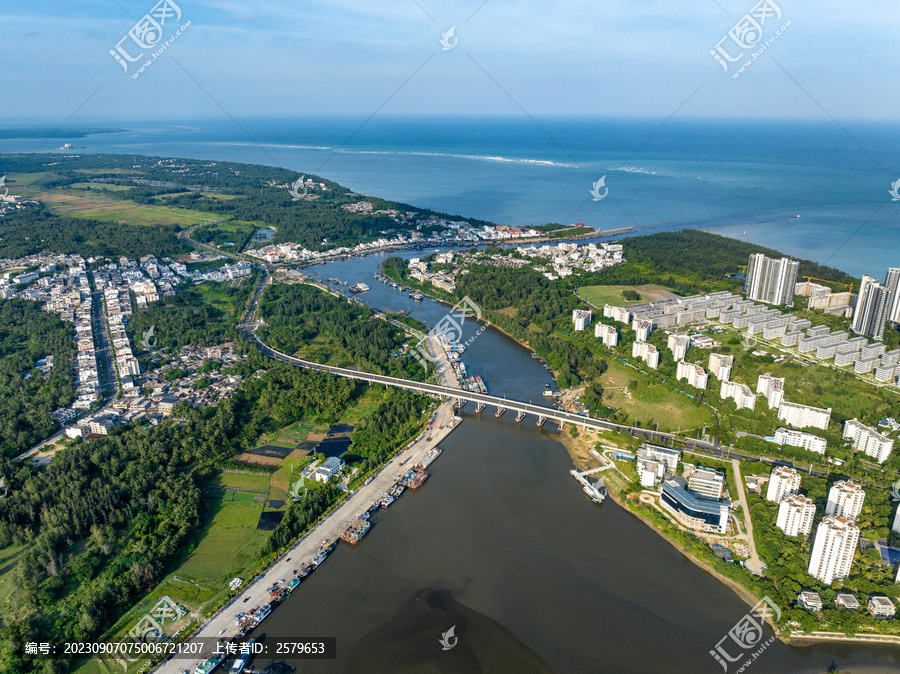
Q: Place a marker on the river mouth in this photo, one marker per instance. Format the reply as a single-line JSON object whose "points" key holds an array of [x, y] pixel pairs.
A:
{"points": [[502, 542]]}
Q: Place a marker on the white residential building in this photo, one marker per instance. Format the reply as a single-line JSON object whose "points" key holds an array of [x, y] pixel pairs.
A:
{"points": [[607, 334], [650, 472], [794, 438], [696, 376], [845, 499], [720, 366], [642, 328], [771, 281], [772, 388], [742, 395], [707, 483], [581, 318], [646, 352], [678, 345], [617, 313], [803, 416], [795, 515], [783, 481], [667, 456], [833, 549], [866, 439]]}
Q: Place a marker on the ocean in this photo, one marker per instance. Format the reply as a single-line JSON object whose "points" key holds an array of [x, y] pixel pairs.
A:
{"points": [[745, 179]]}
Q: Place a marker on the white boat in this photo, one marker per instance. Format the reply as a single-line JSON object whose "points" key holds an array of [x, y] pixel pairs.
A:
{"points": [[242, 659], [595, 491]]}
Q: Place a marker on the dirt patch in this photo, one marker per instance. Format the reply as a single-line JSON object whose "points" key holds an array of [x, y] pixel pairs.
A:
{"points": [[269, 520], [270, 462], [315, 437], [277, 451]]}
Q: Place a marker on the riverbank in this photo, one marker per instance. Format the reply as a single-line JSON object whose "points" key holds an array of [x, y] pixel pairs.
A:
{"points": [[222, 624], [579, 450]]}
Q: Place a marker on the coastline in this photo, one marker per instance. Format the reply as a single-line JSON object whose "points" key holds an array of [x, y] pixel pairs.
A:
{"points": [[578, 451]]}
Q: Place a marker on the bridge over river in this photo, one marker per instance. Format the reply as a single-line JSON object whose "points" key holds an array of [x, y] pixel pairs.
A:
{"points": [[483, 400]]}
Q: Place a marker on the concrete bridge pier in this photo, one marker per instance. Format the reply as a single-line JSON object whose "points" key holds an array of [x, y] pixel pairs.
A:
{"points": [[561, 424], [500, 411], [479, 408], [520, 416], [460, 403], [541, 421]]}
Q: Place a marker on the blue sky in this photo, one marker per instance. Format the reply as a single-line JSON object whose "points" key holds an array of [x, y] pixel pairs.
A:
{"points": [[647, 58]]}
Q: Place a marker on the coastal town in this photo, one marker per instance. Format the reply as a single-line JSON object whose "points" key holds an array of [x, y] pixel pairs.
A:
{"points": [[684, 484]]}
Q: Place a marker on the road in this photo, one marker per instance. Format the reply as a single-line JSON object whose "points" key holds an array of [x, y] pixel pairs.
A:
{"points": [[108, 383], [505, 403], [223, 623], [753, 563]]}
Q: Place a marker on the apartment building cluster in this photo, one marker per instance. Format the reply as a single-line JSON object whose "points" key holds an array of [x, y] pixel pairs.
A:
{"points": [[670, 313], [564, 258], [836, 537], [61, 284], [152, 397], [445, 280], [876, 304], [291, 252]]}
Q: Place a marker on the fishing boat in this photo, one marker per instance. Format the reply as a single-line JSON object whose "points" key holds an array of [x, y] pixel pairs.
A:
{"points": [[210, 665], [295, 581], [430, 456], [262, 613], [357, 529], [387, 499], [481, 386], [596, 490], [418, 297], [241, 662], [417, 479]]}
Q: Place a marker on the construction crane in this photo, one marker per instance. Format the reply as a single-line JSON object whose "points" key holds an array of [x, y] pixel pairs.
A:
{"points": [[813, 278]]}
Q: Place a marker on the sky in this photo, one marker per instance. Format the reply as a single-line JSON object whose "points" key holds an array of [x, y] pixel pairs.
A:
{"points": [[612, 58]]}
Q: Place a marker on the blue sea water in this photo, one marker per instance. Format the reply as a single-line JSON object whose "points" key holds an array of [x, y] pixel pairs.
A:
{"points": [[744, 179]]}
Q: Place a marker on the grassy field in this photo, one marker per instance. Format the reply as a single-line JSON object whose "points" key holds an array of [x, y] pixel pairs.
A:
{"points": [[107, 186], [242, 481], [213, 293], [9, 558], [229, 544], [652, 403], [18, 181], [600, 295], [95, 207]]}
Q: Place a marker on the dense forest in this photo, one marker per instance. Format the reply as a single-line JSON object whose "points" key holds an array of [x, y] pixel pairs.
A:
{"points": [[306, 319], [35, 230], [27, 397], [106, 520], [375, 438], [309, 221], [708, 257], [187, 318]]}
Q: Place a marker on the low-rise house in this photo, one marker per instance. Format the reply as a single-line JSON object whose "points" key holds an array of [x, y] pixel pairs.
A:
{"points": [[329, 468], [880, 606], [847, 601], [810, 600]]}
